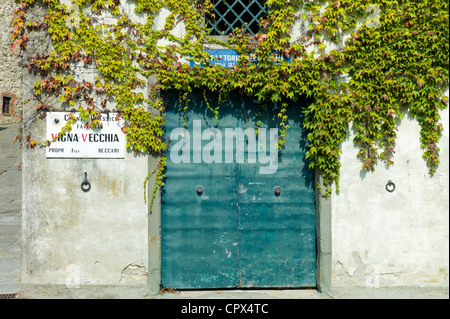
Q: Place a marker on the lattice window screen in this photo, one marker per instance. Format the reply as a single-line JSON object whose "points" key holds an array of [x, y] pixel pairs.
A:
{"points": [[232, 14]]}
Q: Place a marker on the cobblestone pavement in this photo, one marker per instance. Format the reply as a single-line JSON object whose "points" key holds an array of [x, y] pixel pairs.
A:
{"points": [[10, 209]]}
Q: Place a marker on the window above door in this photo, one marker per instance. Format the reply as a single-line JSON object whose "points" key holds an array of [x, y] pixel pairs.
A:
{"points": [[232, 14]]}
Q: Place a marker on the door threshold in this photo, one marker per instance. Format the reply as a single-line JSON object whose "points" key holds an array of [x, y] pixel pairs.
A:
{"points": [[238, 288], [243, 293]]}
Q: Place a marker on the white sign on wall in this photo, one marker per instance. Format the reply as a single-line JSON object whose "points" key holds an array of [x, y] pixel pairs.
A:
{"points": [[81, 142]]}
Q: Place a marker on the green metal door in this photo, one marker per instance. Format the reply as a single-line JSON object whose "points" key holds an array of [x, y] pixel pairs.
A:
{"points": [[236, 212]]}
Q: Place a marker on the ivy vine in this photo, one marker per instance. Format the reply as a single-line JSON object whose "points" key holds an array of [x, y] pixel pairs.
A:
{"points": [[386, 58]]}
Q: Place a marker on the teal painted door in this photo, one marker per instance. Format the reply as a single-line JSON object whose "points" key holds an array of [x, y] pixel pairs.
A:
{"points": [[236, 212]]}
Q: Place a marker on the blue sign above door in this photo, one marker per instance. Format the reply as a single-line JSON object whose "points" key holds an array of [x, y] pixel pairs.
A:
{"points": [[228, 58]]}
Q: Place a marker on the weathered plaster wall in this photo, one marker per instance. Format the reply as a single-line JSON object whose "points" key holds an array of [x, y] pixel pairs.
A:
{"points": [[401, 238], [75, 239], [10, 72], [77, 244], [382, 239]]}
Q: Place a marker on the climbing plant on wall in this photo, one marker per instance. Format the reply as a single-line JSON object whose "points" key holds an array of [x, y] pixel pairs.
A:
{"points": [[363, 63]]}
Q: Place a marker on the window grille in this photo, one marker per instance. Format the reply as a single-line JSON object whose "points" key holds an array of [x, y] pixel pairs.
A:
{"points": [[232, 14], [6, 104]]}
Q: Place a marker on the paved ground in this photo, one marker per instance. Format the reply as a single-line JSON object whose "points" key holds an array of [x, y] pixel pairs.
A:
{"points": [[10, 209]]}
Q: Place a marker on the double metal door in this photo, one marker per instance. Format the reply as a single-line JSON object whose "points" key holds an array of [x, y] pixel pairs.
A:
{"points": [[236, 211]]}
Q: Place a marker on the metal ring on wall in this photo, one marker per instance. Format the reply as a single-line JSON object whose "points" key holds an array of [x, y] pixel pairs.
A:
{"points": [[390, 186], [85, 185]]}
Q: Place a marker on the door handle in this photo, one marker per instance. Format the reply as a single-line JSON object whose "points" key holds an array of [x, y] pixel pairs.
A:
{"points": [[277, 190], [199, 189]]}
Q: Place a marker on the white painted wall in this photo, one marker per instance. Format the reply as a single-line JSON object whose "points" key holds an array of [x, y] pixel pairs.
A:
{"points": [[399, 238], [97, 240], [75, 238]]}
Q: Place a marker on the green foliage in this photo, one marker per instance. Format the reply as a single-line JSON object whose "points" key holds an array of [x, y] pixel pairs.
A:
{"points": [[391, 57]]}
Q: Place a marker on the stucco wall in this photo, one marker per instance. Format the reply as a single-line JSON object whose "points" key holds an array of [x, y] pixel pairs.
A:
{"points": [[77, 238], [96, 240], [393, 239], [72, 238]]}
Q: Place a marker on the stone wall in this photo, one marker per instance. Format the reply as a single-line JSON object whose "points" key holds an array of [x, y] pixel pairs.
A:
{"points": [[10, 72]]}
